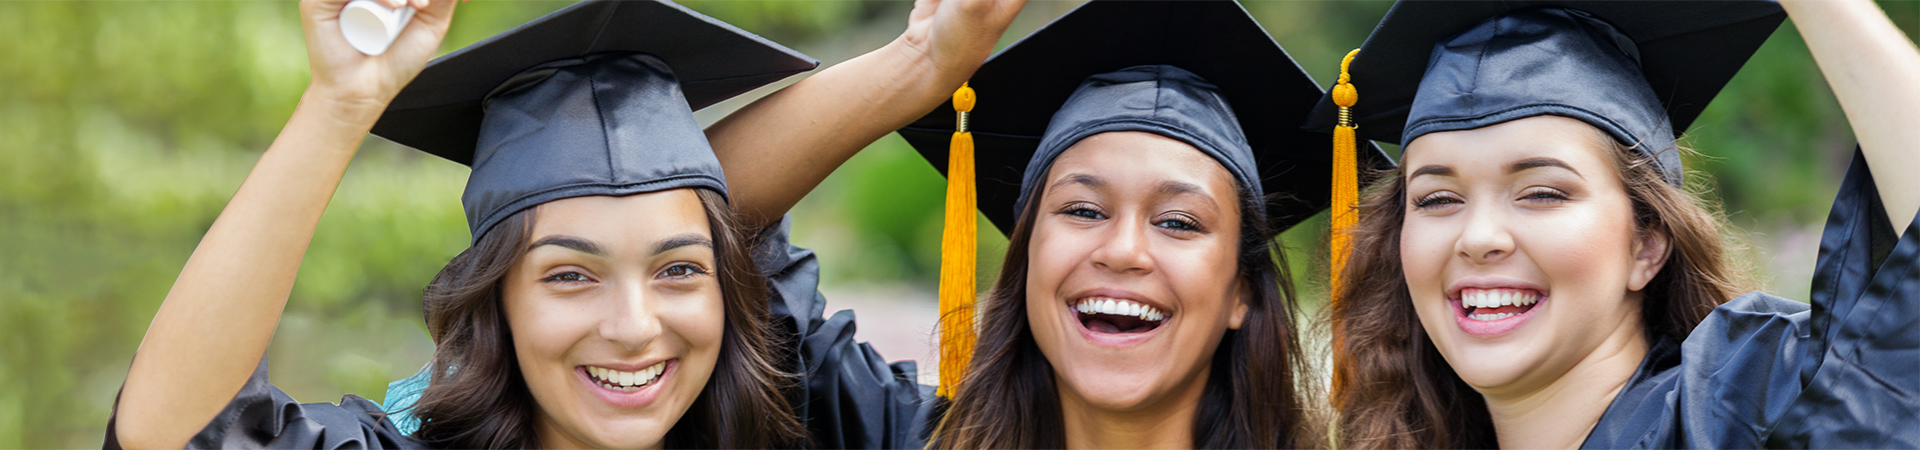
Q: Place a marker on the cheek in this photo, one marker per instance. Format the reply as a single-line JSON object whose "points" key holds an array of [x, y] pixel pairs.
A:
{"points": [[1203, 278], [1052, 253], [1588, 249], [542, 329], [1424, 250], [700, 318]]}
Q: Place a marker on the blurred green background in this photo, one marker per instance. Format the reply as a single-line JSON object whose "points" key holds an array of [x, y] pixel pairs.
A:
{"points": [[125, 126]]}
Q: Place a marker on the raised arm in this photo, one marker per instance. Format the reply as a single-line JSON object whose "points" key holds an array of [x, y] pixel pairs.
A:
{"points": [[1874, 70], [214, 326], [779, 148]]}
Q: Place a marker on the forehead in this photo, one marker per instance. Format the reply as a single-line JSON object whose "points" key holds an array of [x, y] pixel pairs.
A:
{"points": [[1132, 156], [1572, 141], [639, 218]]}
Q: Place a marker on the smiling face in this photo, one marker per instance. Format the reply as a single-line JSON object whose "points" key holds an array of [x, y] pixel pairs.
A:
{"points": [[1133, 274], [616, 316], [1520, 251]]}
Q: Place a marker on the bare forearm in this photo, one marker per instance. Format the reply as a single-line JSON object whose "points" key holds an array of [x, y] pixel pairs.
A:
{"points": [[779, 148], [216, 322], [1874, 70]]}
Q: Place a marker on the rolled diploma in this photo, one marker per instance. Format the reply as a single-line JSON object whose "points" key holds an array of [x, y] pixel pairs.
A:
{"points": [[371, 27]]}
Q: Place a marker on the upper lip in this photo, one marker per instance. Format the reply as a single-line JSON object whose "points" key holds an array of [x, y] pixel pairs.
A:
{"points": [[1118, 294], [1453, 292], [629, 367]]}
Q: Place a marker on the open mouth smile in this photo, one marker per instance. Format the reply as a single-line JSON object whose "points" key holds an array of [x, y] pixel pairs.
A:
{"points": [[1494, 312], [1116, 322]]}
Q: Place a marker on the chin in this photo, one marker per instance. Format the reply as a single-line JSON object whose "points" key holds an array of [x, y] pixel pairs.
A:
{"points": [[1109, 391], [629, 433], [1489, 366]]}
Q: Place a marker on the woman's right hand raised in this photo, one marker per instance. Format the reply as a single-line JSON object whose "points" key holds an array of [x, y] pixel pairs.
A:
{"points": [[210, 332], [361, 81]]}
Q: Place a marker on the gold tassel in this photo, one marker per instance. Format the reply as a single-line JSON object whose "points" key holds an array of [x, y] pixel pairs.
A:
{"points": [[1341, 215], [957, 253]]}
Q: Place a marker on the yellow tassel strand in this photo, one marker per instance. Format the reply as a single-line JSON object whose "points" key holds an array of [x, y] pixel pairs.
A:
{"points": [[957, 253], [1346, 186]]}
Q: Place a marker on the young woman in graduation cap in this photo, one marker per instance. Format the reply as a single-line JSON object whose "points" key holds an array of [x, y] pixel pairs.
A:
{"points": [[1138, 154], [610, 297], [1536, 275]]}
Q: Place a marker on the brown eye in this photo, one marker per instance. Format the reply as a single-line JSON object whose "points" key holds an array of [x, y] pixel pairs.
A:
{"points": [[1544, 195], [683, 271], [1435, 199], [565, 277]]}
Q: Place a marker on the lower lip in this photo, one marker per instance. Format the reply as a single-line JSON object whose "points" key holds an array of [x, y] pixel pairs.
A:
{"points": [[638, 398], [1113, 340], [1492, 328]]}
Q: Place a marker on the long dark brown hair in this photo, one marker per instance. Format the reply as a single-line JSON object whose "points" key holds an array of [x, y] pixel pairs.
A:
{"points": [[478, 398], [1253, 393], [1399, 393]]}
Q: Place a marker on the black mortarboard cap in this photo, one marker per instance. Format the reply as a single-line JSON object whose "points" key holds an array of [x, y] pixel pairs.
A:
{"points": [[596, 98], [1641, 71], [1202, 72]]}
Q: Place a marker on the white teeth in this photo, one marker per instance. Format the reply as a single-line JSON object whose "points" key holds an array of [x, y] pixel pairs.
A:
{"points": [[626, 381], [1118, 307], [1482, 298], [1489, 317]]}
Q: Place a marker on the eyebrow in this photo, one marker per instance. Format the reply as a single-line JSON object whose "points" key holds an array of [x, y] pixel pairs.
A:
{"points": [[1176, 188], [1431, 169], [1080, 178], [1539, 162], [569, 242], [588, 247], [683, 240]]}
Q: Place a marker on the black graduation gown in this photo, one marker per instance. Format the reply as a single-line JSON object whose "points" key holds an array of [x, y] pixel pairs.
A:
{"points": [[849, 396], [1762, 371], [261, 416]]}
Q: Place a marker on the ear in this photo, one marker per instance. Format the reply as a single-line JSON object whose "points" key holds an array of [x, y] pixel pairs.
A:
{"points": [[1654, 249], [1242, 297]]}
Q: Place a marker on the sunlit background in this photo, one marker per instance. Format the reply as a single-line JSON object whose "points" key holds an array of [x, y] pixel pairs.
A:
{"points": [[125, 126]]}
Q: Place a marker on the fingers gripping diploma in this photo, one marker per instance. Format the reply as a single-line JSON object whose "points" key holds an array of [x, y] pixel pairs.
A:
{"points": [[371, 78]]}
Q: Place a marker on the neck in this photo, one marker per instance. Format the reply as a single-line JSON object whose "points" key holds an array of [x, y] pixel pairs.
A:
{"points": [[1561, 413], [1167, 423]]}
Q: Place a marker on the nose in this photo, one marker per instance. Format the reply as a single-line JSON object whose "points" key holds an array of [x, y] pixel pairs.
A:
{"points": [[631, 320], [1485, 240], [1124, 248]]}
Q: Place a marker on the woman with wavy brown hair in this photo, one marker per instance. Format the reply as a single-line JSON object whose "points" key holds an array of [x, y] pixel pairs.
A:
{"points": [[1535, 275], [609, 298]]}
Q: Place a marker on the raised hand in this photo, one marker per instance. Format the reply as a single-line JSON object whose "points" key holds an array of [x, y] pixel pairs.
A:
{"points": [[344, 74], [218, 319], [957, 35], [780, 147]]}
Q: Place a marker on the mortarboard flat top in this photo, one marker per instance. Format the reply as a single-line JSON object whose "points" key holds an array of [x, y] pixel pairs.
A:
{"points": [[1687, 51], [1020, 89], [440, 111], [595, 99]]}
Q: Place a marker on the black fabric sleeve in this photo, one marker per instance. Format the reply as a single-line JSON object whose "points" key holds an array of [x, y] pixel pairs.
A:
{"points": [[261, 416], [848, 396], [1763, 371], [1865, 390]]}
